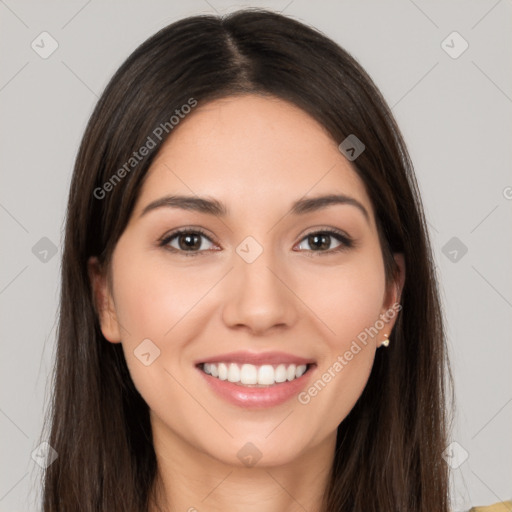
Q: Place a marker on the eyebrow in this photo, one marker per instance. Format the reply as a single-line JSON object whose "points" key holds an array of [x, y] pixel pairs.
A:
{"points": [[214, 207]]}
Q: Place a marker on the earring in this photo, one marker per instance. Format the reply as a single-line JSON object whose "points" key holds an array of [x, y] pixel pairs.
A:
{"points": [[385, 342]]}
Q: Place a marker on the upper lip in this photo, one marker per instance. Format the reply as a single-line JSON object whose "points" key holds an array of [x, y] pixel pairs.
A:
{"points": [[257, 358]]}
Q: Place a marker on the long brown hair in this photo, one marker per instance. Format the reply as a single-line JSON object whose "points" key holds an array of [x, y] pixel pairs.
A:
{"points": [[388, 453]]}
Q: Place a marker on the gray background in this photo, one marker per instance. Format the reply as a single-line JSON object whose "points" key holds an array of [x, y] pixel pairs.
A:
{"points": [[455, 114]]}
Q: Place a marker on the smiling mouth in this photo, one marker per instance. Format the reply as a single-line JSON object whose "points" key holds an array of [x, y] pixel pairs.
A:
{"points": [[250, 375]]}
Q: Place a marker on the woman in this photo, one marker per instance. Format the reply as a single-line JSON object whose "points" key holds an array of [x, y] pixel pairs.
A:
{"points": [[237, 331]]}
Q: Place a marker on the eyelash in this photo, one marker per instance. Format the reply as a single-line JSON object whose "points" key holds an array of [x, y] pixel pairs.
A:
{"points": [[345, 240]]}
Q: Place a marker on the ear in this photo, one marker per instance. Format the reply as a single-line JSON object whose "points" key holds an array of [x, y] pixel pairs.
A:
{"points": [[394, 294], [103, 301], [399, 278]]}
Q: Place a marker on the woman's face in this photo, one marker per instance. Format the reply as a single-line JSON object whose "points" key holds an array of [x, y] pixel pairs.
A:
{"points": [[252, 290]]}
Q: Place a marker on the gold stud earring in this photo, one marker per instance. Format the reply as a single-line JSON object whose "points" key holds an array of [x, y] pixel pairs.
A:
{"points": [[385, 342]]}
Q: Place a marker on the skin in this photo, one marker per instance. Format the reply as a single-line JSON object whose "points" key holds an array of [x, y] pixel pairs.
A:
{"points": [[257, 155]]}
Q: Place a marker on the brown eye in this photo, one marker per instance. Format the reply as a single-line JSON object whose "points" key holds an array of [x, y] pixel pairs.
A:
{"points": [[321, 241], [187, 241]]}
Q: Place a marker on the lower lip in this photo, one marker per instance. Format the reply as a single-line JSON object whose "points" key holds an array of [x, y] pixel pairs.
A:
{"points": [[257, 398]]}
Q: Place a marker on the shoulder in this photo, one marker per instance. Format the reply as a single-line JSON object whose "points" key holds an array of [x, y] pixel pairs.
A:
{"points": [[502, 506]]}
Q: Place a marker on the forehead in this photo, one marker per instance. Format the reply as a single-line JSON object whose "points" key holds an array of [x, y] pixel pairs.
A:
{"points": [[252, 152]]}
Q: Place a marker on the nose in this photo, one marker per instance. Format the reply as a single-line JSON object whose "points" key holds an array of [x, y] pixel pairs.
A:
{"points": [[258, 296]]}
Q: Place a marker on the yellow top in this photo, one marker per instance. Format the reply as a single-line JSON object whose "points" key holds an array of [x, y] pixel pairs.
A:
{"points": [[502, 506]]}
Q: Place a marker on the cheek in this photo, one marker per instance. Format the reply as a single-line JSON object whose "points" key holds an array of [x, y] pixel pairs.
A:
{"points": [[165, 303], [347, 300], [159, 302], [348, 303], [152, 297]]}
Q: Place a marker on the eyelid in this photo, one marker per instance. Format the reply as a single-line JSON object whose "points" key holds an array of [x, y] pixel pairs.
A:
{"points": [[325, 229], [186, 229]]}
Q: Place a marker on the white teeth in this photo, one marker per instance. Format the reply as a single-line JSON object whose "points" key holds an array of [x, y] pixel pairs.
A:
{"points": [[223, 371], [280, 373], [266, 375], [290, 372], [300, 370], [233, 373], [249, 374]]}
